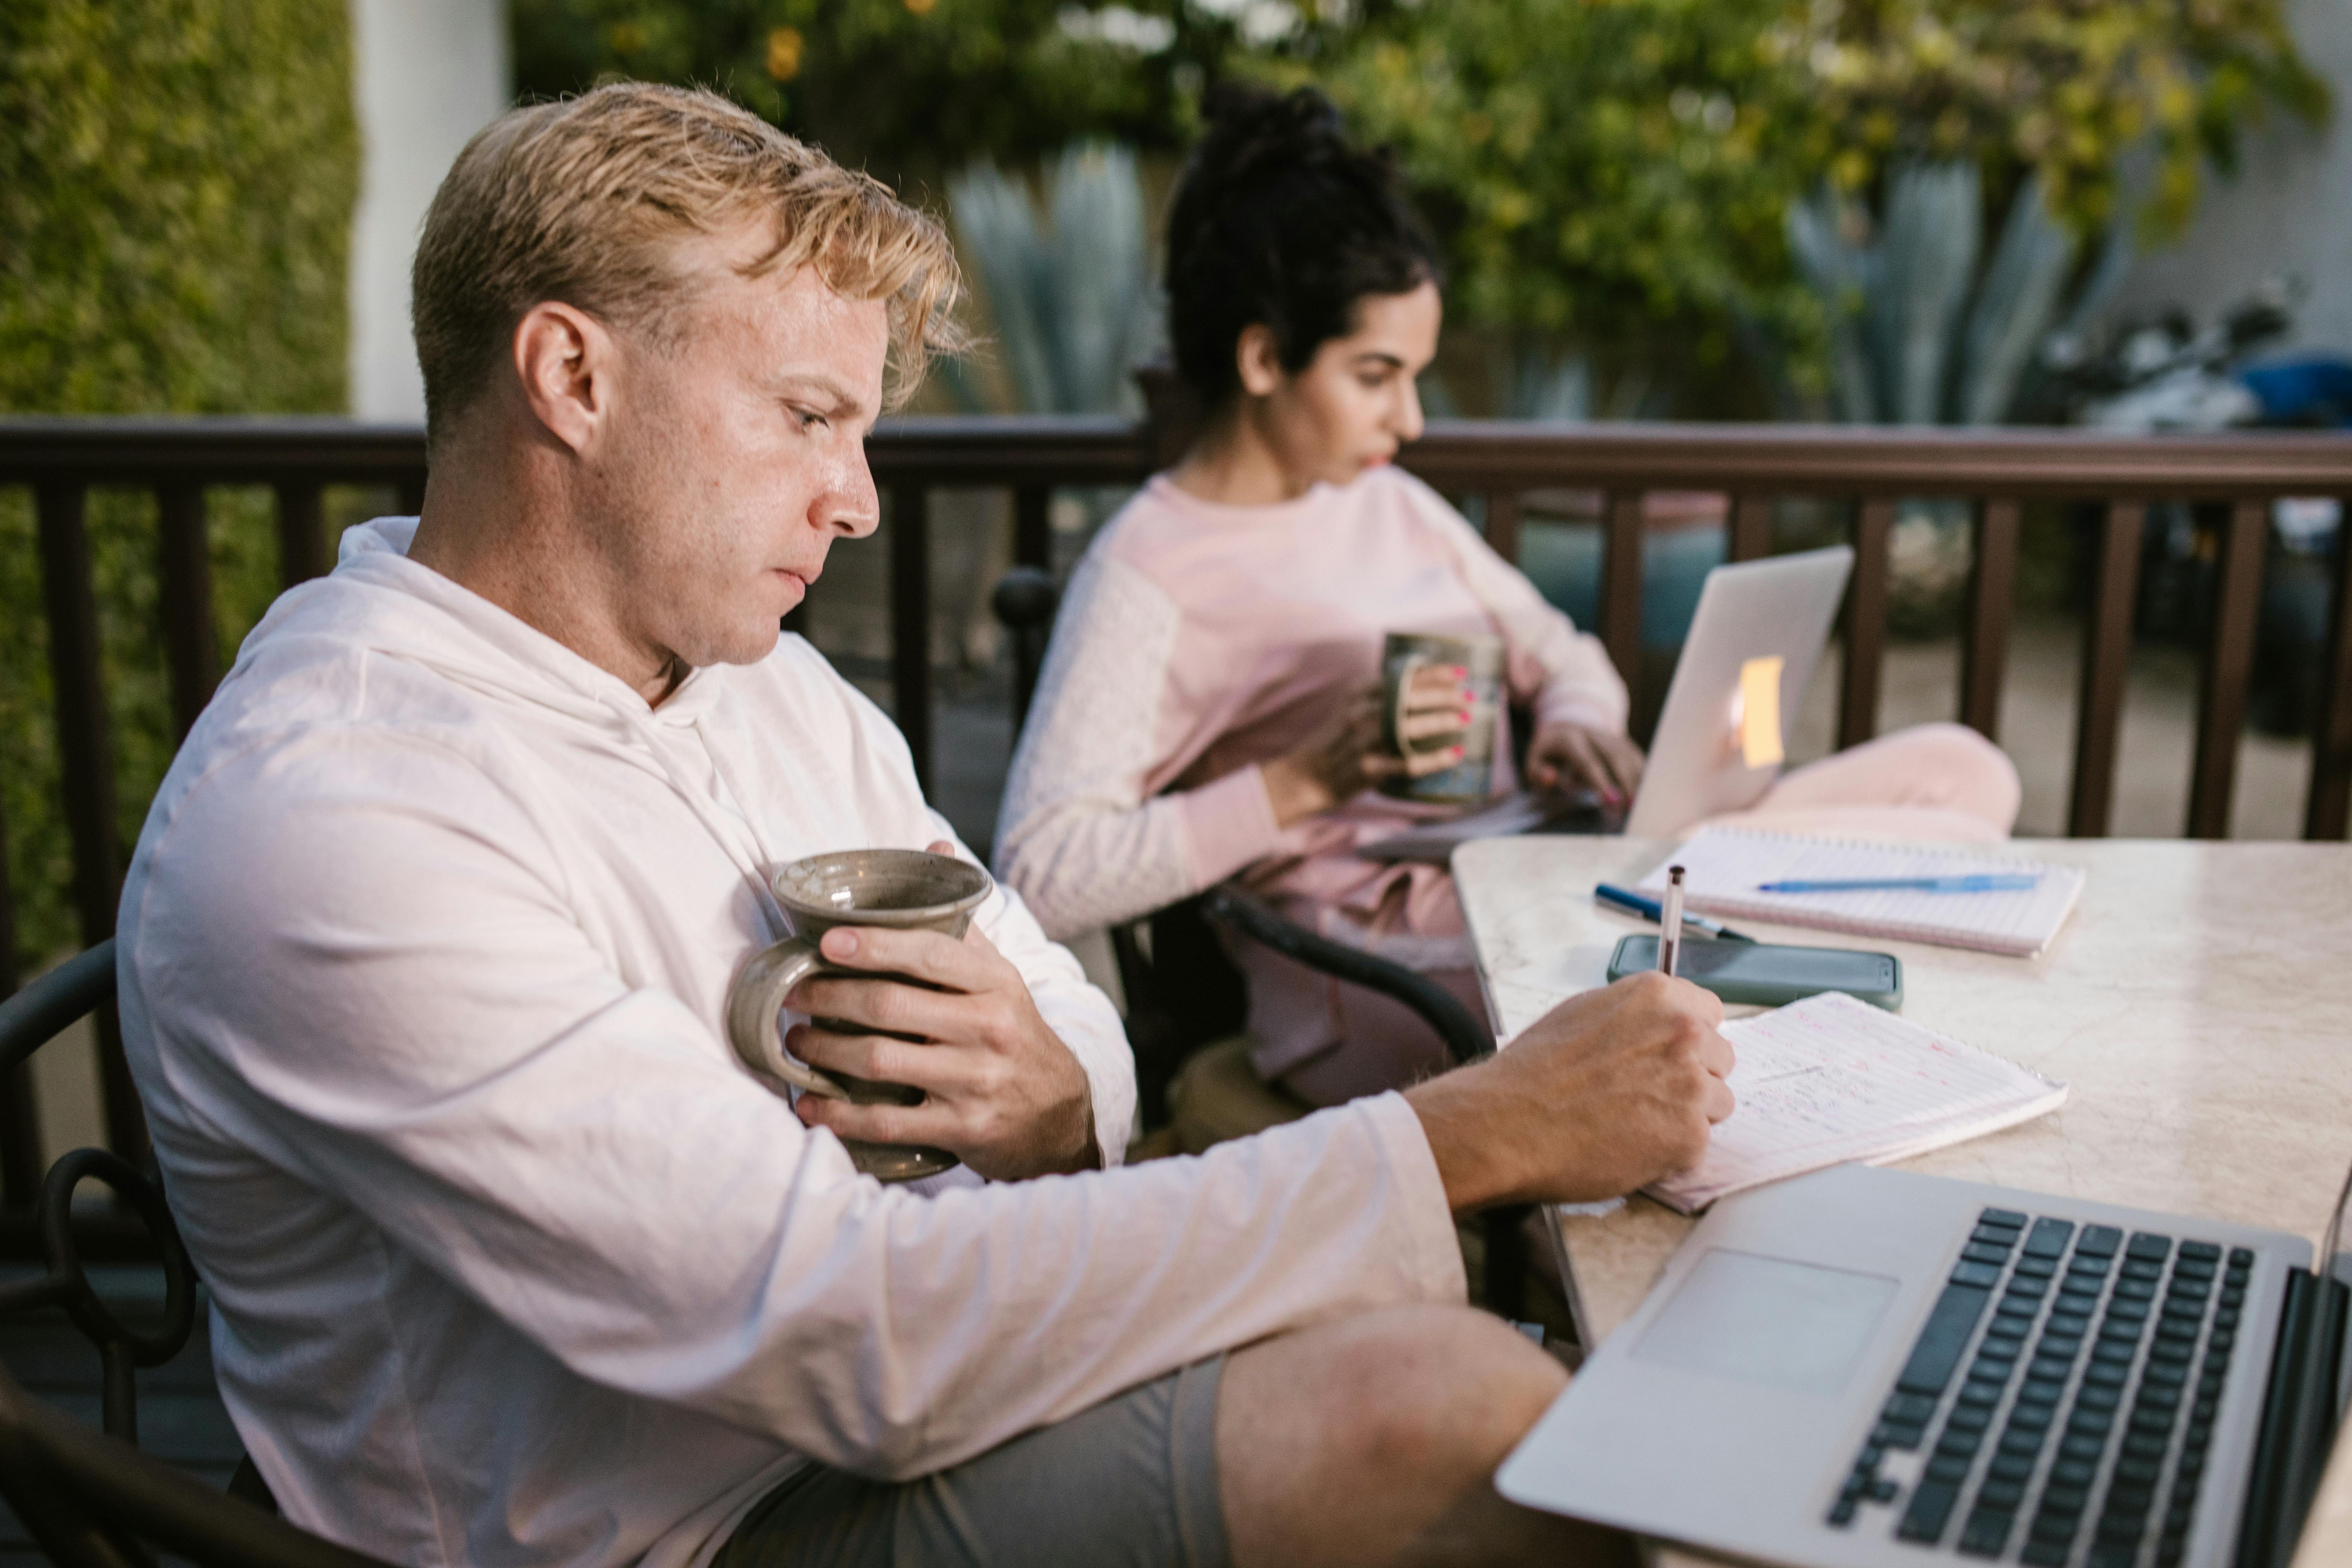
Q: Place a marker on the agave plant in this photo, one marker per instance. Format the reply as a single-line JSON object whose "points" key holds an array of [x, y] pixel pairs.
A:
{"points": [[1926, 329], [1538, 384], [1073, 309], [1070, 289]]}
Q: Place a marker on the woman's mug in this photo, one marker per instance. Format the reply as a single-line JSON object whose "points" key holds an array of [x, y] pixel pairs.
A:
{"points": [[903, 889], [1404, 655]]}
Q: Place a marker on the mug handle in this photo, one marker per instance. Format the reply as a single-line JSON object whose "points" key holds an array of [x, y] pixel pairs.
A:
{"points": [[753, 1002]]}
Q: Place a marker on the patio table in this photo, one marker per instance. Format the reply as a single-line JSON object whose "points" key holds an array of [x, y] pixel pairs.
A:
{"points": [[2199, 1003]]}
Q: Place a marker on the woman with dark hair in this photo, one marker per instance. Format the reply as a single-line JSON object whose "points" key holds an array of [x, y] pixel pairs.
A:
{"points": [[1208, 709]]}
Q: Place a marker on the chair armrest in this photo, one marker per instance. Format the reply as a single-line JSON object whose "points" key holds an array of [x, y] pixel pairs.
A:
{"points": [[34, 1015], [29, 1020], [1466, 1038], [1026, 600]]}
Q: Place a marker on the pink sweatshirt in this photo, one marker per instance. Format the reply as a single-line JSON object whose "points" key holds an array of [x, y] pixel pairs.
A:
{"points": [[1198, 640]]}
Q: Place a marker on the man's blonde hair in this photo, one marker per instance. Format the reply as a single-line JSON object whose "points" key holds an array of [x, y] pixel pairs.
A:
{"points": [[587, 201]]}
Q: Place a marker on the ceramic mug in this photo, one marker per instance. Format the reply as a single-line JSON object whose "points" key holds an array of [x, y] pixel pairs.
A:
{"points": [[1471, 779], [902, 890]]}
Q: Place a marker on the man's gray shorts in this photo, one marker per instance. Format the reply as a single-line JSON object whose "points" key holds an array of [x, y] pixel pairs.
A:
{"points": [[1132, 1481]]}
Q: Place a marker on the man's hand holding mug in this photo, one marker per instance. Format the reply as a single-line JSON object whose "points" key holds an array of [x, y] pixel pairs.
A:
{"points": [[923, 1045]]}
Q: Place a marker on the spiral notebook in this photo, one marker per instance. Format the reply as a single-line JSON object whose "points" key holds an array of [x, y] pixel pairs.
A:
{"points": [[1830, 1080], [1722, 867]]}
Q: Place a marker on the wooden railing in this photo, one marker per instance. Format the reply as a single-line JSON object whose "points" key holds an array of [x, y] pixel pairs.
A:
{"points": [[1996, 470], [1873, 469]]}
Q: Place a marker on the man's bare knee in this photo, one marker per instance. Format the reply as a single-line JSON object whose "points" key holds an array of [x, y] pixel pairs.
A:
{"points": [[1438, 1385], [1367, 1439]]}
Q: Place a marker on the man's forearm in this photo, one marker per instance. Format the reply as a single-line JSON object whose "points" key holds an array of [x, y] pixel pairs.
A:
{"points": [[1475, 1155]]}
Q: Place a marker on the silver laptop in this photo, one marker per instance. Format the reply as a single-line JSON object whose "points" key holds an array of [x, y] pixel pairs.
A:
{"points": [[1777, 608], [1873, 1367]]}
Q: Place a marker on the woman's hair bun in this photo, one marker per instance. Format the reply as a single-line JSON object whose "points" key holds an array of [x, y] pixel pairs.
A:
{"points": [[1280, 220], [1251, 129]]}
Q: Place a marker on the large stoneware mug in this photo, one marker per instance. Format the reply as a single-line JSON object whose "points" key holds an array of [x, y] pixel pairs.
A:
{"points": [[1480, 658], [903, 889]]}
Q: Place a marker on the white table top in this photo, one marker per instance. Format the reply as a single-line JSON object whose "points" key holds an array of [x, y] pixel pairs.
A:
{"points": [[2199, 1003]]}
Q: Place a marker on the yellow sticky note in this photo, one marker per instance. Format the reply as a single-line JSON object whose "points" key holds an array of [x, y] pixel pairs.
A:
{"points": [[1760, 712]]}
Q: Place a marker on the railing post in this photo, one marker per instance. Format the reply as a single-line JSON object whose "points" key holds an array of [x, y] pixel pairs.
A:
{"points": [[301, 532], [1992, 595], [2106, 662], [910, 623], [1502, 525], [184, 584], [1032, 527], [86, 757], [1865, 624], [1751, 527], [1025, 601], [2328, 804], [1620, 587], [2228, 662]]}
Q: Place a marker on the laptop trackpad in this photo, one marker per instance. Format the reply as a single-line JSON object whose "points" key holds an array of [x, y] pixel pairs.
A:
{"points": [[1767, 1320]]}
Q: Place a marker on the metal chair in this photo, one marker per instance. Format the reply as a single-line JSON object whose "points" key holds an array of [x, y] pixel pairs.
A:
{"points": [[1186, 993], [1466, 1040], [92, 1499]]}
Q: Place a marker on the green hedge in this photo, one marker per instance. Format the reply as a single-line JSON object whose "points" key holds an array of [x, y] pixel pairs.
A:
{"points": [[176, 185]]}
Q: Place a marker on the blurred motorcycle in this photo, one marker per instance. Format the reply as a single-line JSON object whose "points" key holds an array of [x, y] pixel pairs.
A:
{"points": [[2165, 374]]}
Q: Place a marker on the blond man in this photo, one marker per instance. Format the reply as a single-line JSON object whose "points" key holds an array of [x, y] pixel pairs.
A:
{"points": [[426, 942]]}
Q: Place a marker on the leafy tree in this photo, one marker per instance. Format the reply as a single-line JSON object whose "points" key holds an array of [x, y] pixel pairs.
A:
{"points": [[176, 185], [913, 89], [1619, 171], [1610, 172], [2060, 88]]}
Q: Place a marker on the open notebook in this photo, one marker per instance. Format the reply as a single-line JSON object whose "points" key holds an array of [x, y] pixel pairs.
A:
{"points": [[1722, 866], [1830, 1080]]}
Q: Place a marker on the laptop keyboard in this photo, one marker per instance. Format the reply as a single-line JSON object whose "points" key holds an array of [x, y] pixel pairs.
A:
{"points": [[2074, 1428]]}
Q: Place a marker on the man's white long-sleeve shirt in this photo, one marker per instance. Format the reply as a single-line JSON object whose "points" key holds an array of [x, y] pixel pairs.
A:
{"points": [[424, 958]]}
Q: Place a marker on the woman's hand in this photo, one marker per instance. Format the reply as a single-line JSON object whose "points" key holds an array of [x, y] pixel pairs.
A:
{"points": [[1566, 757], [1345, 756]]}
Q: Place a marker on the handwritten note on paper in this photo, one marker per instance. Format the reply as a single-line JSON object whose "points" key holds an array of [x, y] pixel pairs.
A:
{"points": [[1829, 1079]]}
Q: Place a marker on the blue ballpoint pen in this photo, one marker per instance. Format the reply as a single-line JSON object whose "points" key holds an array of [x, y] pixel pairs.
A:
{"points": [[1634, 903], [1982, 883]]}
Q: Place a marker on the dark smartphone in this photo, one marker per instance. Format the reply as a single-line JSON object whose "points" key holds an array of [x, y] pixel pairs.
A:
{"points": [[1768, 973]]}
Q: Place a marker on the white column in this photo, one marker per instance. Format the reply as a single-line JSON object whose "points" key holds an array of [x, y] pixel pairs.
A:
{"points": [[427, 74]]}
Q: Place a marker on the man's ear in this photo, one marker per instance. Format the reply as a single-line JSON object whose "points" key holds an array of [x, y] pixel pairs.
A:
{"points": [[1258, 359], [565, 361]]}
